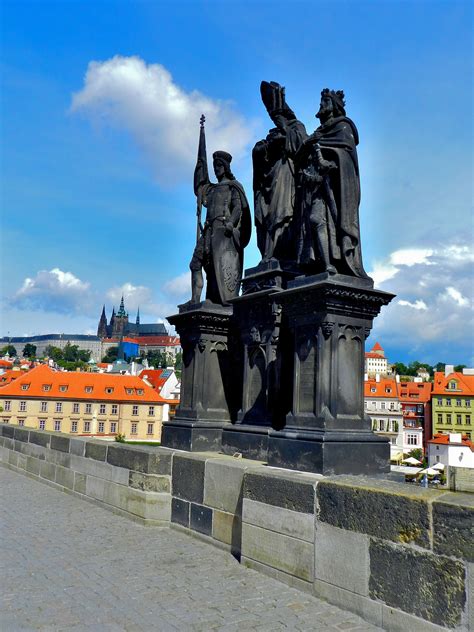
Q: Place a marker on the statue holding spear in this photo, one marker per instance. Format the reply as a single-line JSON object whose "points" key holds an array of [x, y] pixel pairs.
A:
{"points": [[220, 242]]}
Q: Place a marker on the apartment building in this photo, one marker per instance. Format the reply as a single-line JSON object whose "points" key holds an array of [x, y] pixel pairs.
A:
{"points": [[91, 404], [383, 407], [415, 401], [452, 402]]}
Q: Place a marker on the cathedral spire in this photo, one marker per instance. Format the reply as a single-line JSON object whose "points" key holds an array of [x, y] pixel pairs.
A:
{"points": [[102, 328], [137, 322], [121, 311]]}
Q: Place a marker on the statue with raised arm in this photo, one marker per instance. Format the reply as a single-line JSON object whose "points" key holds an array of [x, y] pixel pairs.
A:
{"points": [[328, 180], [226, 230], [274, 176]]}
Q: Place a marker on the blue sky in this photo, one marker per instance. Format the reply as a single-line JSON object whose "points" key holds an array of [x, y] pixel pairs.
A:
{"points": [[100, 105]]}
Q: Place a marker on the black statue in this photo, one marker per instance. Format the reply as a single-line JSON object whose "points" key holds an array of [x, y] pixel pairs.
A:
{"points": [[274, 176], [226, 231], [329, 193]]}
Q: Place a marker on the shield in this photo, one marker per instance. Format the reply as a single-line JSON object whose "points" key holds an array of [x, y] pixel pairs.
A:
{"points": [[227, 260]]}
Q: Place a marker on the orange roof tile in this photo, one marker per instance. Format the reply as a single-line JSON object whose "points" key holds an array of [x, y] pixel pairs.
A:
{"points": [[441, 382], [380, 388], [443, 439], [369, 354], [376, 347], [9, 376], [103, 386], [420, 389], [155, 377], [162, 341]]}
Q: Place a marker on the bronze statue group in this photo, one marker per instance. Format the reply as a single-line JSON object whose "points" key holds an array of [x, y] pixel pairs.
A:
{"points": [[306, 200]]}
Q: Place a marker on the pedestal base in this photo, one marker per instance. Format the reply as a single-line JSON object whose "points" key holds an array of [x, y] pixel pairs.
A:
{"points": [[192, 436], [250, 441], [330, 453]]}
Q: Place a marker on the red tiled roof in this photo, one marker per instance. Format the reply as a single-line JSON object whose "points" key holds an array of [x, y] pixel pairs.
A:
{"points": [[9, 376], [155, 377], [385, 383], [443, 439], [369, 354], [377, 347], [76, 383], [6, 364], [162, 341], [465, 384], [421, 389]]}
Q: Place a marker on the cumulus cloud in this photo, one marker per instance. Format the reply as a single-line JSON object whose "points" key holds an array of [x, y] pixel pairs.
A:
{"points": [[53, 291], [140, 296], [178, 286], [433, 287], [162, 117]]}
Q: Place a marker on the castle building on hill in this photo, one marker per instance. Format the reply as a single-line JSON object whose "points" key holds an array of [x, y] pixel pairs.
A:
{"points": [[119, 325]]}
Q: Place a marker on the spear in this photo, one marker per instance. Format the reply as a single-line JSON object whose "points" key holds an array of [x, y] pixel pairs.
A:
{"points": [[201, 174]]}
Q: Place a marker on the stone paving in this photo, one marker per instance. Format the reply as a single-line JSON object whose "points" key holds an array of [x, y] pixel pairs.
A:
{"points": [[69, 565]]}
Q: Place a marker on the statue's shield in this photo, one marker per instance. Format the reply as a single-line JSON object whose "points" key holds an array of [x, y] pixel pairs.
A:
{"points": [[227, 264]]}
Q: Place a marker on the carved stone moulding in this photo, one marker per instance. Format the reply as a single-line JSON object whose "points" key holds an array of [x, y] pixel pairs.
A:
{"points": [[210, 375], [270, 275]]}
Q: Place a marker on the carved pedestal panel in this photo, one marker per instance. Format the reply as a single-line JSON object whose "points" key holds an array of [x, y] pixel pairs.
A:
{"points": [[210, 378], [326, 430]]}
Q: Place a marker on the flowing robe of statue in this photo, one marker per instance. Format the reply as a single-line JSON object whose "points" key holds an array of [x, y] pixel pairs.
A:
{"points": [[274, 189], [331, 196], [226, 231]]}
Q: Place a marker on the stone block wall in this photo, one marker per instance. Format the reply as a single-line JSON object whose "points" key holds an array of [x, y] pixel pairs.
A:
{"points": [[402, 557]]}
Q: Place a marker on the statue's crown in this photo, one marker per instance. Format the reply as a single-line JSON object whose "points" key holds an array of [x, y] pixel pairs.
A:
{"points": [[222, 155], [337, 97]]}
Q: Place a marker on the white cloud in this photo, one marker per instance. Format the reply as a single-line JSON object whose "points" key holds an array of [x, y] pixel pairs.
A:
{"points": [[161, 116], [411, 256], [457, 297], [416, 305], [179, 285], [382, 272], [53, 291], [134, 295]]}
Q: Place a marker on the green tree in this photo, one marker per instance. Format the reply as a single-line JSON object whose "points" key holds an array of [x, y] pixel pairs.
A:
{"points": [[178, 361], [83, 355], [55, 353], [111, 355], [440, 366], [29, 350], [400, 368], [70, 352], [10, 349], [459, 367]]}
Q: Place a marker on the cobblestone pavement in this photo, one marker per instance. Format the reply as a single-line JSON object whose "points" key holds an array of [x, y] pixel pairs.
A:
{"points": [[69, 565]]}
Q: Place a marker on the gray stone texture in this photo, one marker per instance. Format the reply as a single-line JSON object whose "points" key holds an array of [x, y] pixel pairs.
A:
{"points": [[180, 511], [80, 483], [40, 438], [48, 471], [96, 450], [292, 523], [140, 458], [388, 510], [188, 477], [282, 489], [223, 484], [60, 442], [8, 431], [342, 558], [201, 519], [428, 586], [227, 528], [21, 434], [290, 555], [149, 482], [453, 525], [77, 446], [99, 469], [64, 477]]}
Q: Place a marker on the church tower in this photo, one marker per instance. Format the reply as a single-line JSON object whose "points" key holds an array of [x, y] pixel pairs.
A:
{"points": [[120, 325], [102, 328], [137, 322]]}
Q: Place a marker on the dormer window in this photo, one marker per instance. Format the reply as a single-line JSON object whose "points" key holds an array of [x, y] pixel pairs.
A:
{"points": [[88, 389], [63, 388], [25, 387], [46, 387], [388, 390], [453, 385], [109, 390], [139, 391], [373, 389], [129, 391]]}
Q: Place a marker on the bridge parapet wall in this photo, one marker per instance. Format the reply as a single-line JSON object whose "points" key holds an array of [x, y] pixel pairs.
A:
{"points": [[401, 557]]}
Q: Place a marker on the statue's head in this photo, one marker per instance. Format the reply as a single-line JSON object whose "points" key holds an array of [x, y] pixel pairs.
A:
{"points": [[332, 104], [221, 161]]}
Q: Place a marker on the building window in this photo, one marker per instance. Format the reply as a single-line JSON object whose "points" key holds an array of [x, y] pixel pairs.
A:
{"points": [[440, 401], [42, 424], [114, 409], [382, 405], [113, 426], [468, 434], [458, 419], [129, 391], [88, 409], [59, 407], [21, 422], [453, 386], [75, 408], [149, 430], [381, 425], [365, 405], [87, 426], [46, 387], [134, 429], [101, 426], [468, 403], [63, 388], [412, 439], [388, 390], [25, 387], [8, 406], [139, 391], [151, 411], [458, 402], [448, 401], [88, 389], [468, 420], [57, 425], [448, 418], [109, 390], [102, 409], [440, 418], [135, 410], [373, 389], [73, 426], [22, 408], [44, 407]]}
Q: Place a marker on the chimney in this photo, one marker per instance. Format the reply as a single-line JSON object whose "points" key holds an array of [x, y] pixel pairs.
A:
{"points": [[397, 379], [377, 377], [448, 369]]}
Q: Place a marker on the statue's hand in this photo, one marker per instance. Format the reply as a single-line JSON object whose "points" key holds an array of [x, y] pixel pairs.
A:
{"points": [[327, 165], [229, 229]]}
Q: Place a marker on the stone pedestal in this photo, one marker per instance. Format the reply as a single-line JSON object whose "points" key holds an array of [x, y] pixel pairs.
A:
{"points": [[211, 372], [327, 431], [264, 403]]}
